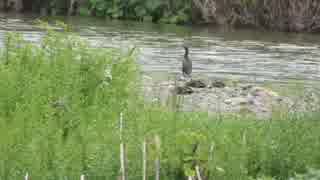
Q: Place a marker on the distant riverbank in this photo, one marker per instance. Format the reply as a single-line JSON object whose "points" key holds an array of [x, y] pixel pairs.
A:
{"points": [[274, 15]]}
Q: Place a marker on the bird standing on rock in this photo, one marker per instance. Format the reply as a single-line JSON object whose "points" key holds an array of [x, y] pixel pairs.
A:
{"points": [[186, 63]]}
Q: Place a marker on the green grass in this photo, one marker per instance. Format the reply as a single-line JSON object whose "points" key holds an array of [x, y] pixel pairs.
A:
{"points": [[59, 111]]}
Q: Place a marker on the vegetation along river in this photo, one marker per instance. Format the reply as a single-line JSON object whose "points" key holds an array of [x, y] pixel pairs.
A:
{"points": [[247, 55]]}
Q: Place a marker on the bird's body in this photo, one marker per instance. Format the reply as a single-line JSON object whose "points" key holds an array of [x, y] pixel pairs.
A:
{"points": [[186, 63]]}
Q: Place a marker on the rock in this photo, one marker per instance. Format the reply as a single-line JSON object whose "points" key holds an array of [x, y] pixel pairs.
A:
{"points": [[196, 84], [246, 87], [237, 101], [263, 92], [147, 80], [218, 84], [240, 99], [183, 90]]}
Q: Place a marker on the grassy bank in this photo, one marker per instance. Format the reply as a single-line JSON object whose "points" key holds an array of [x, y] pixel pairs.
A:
{"points": [[285, 15], [59, 118]]}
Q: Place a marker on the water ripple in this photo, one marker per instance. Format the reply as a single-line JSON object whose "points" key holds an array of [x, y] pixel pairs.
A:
{"points": [[245, 55]]}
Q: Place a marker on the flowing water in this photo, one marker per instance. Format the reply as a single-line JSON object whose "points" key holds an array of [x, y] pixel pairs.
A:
{"points": [[244, 55]]}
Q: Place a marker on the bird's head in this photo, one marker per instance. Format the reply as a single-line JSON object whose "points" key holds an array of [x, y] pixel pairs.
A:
{"points": [[186, 49]]}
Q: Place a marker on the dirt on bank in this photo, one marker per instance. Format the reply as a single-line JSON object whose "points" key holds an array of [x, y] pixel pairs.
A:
{"points": [[217, 96]]}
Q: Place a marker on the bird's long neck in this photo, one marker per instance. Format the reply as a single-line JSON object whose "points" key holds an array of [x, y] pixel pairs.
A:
{"points": [[186, 53]]}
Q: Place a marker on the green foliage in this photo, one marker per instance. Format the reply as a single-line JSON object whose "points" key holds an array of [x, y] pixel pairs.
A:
{"points": [[84, 11], [168, 11], [312, 174], [60, 102]]}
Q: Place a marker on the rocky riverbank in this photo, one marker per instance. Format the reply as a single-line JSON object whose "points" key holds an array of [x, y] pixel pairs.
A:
{"points": [[215, 96]]}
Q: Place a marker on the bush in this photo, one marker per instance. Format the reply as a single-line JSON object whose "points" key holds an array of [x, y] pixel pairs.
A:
{"points": [[166, 11], [57, 99]]}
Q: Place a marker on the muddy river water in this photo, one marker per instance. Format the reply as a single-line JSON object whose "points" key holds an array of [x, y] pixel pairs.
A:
{"points": [[247, 55]]}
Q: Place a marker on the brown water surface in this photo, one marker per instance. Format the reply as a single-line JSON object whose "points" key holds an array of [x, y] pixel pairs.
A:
{"points": [[246, 55]]}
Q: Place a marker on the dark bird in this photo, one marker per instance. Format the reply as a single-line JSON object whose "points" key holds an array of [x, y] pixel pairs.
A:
{"points": [[187, 63]]}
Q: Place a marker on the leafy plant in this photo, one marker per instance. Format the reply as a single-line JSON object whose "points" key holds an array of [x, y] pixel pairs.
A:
{"points": [[312, 174], [169, 11]]}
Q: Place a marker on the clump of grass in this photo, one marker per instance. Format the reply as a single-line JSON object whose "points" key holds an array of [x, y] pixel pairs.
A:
{"points": [[60, 102], [52, 96]]}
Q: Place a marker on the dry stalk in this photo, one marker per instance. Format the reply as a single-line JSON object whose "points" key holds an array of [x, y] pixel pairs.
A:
{"points": [[198, 172], [26, 177], [157, 161], [144, 160], [123, 161], [82, 177]]}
